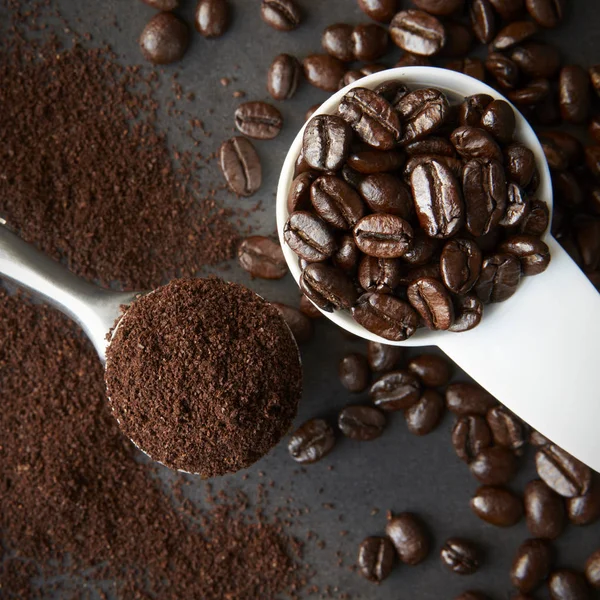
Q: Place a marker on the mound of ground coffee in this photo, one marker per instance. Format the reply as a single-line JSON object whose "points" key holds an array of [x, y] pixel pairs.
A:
{"points": [[204, 376]]}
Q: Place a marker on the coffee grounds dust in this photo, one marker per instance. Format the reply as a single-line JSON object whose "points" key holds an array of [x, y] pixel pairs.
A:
{"points": [[204, 376], [75, 503]]}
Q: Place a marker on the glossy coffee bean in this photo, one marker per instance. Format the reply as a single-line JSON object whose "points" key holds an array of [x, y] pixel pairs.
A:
{"points": [[376, 557], [369, 41], [574, 94], [323, 71], [583, 510], [409, 536], [460, 265], [383, 235], [468, 311], [211, 18], [592, 569], [499, 279], [555, 156], [386, 316], [361, 423], [240, 166], [300, 325], [509, 10], [309, 309], [432, 370], [438, 199], [537, 439], [431, 300], [383, 357], [519, 162], [423, 250], [386, 193], [422, 112], [547, 13], [283, 15], [326, 142], [497, 506], [299, 194], [337, 41], [336, 202], [430, 145], [396, 390], [483, 20], [459, 39], [503, 69], [536, 59], [471, 142], [372, 117], [494, 466], [562, 472], [533, 254], [353, 372], [472, 108], [354, 75], [328, 287], [512, 34], [425, 415], [347, 255], [530, 95], [499, 119], [311, 441], [165, 39], [537, 220], [470, 436], [431, 270], [565, 584], [544, 510], [379, 10], [454, 165], [262, 257], [375, 161], [283, 77], [460, 556], [379, 274], [417, 32], [258, 120], [531, 564], [507, 429], [464, 398], [309, 237], [471, 66]]}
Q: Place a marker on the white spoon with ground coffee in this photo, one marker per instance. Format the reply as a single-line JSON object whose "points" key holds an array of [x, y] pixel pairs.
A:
{"points": [[203, 376]]}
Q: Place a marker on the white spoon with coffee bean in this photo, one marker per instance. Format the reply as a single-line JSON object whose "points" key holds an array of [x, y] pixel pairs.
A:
{"points": [[537, 351]]}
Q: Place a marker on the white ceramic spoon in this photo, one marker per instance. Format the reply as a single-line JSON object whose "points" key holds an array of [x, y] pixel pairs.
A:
{"points": [[538, 351]]}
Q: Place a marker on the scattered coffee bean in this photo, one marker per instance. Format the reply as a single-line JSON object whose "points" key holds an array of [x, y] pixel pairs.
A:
{"points": [[547, 13], [354, 373], [258, 120], [375, 161], [386, 193], [369, 42], [347, 255], [379, 10], [262, 257], [424, 416], [574, 92], [468, 399], [460, 556], [300, 325], [211, 18], [483, 20], [361, 423], [514, 33], [417, 32], [583, 510], [323, 71], [165, 39], [566, 584], [328, 287], [498, 118], [337, 41], [283, 15], [497, 506], [592, 569], [531, 565], [283, 77], [326, 142], [432, 370], [311, 441], [376, 557], [509, 10], [396, 390], [533, 254], [544, 510], [507, 429], [459, 39], [411, 540], [536, 59], [383, 357], [537, 220], [494, 466], [386, 316], [504, 70], [431, 300], [562, 472], [470, 436], [530, 95], [240, 166]]}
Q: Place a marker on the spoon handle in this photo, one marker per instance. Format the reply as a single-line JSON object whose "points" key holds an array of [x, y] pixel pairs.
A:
{"points": [[539, 356], [93, 308]]}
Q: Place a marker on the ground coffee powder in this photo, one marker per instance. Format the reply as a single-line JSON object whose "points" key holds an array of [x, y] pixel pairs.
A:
{"points": [[203, 375]]}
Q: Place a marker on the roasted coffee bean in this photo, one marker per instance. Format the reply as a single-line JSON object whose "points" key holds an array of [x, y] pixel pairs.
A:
{"points": [[592, 569], [565, 584], [536, 59], [375, 161], [483, 20], [470, 436], [386, 193], [165, 39], [412, 60], [376, 557], [471, 142], [497, 506], [283, 77], [473, 67], [258, 120], [354, 75], [299, 194], [562, 472], [262, 257], [379, 274], [583, 510], [369, 41], [537, 439], [337, 41], [460, 265], [438, 199], [460, 556], [311, 441], [530, 95], [383, 235], [383, 357], [309, 309], [507, 429], [547, 13], [533, 254], [323, 71], [240, 166], [514, 33], [453, 164], [494, 466], [537, 220], [211, 18], [300, 325], [283, 15], [411, 274], [353, 372], [422, 112], [328, 287], [351, 177], [504, 70], [499, 120], [423, 250], [309, 237], [574, 94], [347, 255], [432, 370], [379, 10], [555, 156], [424, 416], [531, 564], [459, 39], [430, 145], [471, 110], [520, 164], [431, 300], [468, 311], [464, 398], [392, 91], [544, 510], [592, 159], [361, 423], [509, 10], [301, 166], [499, 278], [162, 4], [441, 8], [417, 32], [336, 202], [396, 390], [372, 118], [409, 536], [326, 142], [386, 316]]}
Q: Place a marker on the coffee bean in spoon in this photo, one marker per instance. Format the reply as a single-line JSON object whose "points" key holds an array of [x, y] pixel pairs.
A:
{"points": [[387, 193], [422, 112], [379, 274], [533, 254], [497, 506], [383, 235], [309, 236], [386, 316], [329, 288], [336, 202], [326, 142], [470, 436], [165, 39], [499, 278], [258, 120]]}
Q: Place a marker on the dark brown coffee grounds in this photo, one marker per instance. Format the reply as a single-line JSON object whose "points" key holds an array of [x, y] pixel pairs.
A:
{"points": [[75, 503], [204, 376]]}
